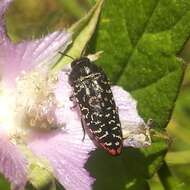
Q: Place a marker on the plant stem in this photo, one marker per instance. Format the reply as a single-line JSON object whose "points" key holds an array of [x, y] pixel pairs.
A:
{"points": [[169, 181]]}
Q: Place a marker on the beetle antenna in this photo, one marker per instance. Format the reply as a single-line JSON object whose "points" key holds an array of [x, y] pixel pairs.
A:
{"points": [[84, 50], [66, 55]]}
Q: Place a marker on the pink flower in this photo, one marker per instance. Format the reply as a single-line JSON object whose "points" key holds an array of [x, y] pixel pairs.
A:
{"points": [[35, 111]]}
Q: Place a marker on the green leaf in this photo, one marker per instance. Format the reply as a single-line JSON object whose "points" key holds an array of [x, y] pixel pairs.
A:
{"points": [[140, 40], [82, 32], [140, 46]]}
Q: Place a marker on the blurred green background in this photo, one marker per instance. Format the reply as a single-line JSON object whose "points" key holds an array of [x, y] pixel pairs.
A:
{"points": [[36, 18], [178, 157]]}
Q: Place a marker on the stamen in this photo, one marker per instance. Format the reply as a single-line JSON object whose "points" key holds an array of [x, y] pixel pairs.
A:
{"points": [[37, 99]]}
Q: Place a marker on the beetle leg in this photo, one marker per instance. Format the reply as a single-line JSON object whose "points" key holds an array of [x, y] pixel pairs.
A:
{"points": [[71, 98], [82, 123], [117, 109], [74, 106]]}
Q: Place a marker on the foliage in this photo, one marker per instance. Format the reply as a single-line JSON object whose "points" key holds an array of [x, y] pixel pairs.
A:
{"points": [[140, 46]]}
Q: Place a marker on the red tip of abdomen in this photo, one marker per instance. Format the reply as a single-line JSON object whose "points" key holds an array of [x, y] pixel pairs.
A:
{"points": [[115, 152]]}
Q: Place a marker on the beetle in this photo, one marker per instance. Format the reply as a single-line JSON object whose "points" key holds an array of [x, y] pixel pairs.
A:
{"points": [[99, 114]]}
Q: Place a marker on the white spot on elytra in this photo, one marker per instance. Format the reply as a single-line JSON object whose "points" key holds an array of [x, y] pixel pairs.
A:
{"points": [[103, 136], [111, 121]]}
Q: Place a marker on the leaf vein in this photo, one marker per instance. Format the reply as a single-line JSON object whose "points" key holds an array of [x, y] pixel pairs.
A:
{"points": [[155, 81], [136, 45]]}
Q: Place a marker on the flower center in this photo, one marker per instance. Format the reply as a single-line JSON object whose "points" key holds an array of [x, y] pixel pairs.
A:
{"points": [[37, 99], [32, 104]]}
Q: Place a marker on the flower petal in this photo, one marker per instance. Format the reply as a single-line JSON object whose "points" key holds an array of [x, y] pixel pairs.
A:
{"points": [[16, 58], [135, 131], [67, 154], [64, 148], [12, 162]]}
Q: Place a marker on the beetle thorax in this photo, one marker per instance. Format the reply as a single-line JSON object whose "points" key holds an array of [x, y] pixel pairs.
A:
{"points": [[81, 69]]}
